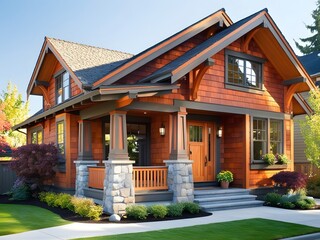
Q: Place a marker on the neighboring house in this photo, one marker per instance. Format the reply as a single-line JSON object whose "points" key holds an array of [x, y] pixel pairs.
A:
{"points": [[216, 95], [311, 63]]}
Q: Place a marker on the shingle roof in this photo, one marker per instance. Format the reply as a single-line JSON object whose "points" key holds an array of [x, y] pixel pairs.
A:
{"points": [[311, 62], [199, 48], [87, 62]]}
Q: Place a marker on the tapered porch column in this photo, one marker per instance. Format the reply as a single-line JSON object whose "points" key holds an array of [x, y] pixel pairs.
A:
{"points": [[180, 178], [85, 158], [118, 185]]}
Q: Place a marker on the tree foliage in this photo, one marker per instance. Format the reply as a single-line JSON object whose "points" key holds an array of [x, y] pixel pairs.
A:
{"points": [[15, 111], [35, 163], [4, 127], [312, 43], [310, 129]]}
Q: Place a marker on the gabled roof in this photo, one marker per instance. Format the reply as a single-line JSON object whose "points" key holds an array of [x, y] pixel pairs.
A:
{"points": [[167, 71], [155, 51], [85, 63], [311, 63]]}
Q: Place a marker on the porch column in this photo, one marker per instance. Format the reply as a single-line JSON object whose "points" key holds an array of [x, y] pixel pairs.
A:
{"points": [[180, 178], [85, 158], [118, 189]]}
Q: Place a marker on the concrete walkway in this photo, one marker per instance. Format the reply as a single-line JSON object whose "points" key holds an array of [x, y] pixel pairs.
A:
{"points": [[81, 230]]}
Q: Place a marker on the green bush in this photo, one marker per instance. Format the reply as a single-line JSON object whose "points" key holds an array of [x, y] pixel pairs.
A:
{"points": [[288, 205], [137, 211], [269, 158], [63, 200], [191, 207], [272, 199], [175, 209], [95, 212], [313, 186], [50, 198], [20, 191], [305, 203], [158, 211]]}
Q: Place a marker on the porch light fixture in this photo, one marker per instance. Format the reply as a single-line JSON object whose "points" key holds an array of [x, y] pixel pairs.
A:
{"points": [[162, 130], [219, 132]]}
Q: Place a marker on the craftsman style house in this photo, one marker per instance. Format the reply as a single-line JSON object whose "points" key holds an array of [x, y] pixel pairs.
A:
{"points": [[216, 95]]}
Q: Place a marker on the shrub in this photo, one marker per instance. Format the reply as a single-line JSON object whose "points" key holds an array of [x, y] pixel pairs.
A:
{"points": [[282, 159], [35, 163], [158, 211], [175, 209], [137, 211], [85, 207], [20, 191], [313, 186], [50, 198], [63, 200], [306, 203], [191, 207], [269, 158], [291, 180], [272, 199], [95, 212]]}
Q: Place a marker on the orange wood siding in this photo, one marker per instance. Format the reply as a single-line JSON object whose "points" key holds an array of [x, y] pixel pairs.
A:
{"points": [[97, 141], [159, 146]]}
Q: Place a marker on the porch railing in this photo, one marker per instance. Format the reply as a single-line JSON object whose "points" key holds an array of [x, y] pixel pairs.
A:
{"points": [[144, 178]]}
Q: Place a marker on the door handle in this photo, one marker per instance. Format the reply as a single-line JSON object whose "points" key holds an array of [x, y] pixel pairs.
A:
{"points": [[206, 161], [190, 152]]}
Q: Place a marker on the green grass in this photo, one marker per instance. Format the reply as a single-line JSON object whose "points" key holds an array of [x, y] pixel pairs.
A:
{"points": [[21, 218], [256, 228]]}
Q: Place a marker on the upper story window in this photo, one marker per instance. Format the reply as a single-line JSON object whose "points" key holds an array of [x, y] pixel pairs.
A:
{"points": [[62, 87], [243, 70]]}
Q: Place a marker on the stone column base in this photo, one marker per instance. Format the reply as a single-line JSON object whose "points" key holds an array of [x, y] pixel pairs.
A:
{"points": [[82, 175], [118, 190], [180, 180]]}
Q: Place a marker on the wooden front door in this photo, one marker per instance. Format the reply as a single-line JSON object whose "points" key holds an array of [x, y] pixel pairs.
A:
{"points": [[201, 150]]}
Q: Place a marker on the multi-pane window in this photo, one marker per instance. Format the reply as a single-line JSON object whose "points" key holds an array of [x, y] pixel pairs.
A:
{"points": [[62, 87], [244, 72], [195, 133], [276, 136], [259, 138], [61, 142], [267, 137], [36, 137]]}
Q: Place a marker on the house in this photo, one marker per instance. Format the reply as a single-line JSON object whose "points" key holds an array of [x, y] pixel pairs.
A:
{"points": [[216, 95], [311, 63]]}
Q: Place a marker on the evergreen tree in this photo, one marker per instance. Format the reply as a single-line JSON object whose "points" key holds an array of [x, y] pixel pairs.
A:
{"points": [[15, 111], [312, 43]]}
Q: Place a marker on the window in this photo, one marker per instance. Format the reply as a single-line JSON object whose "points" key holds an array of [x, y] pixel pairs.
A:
{"points": [[36, 137], [266, 134], [61, 143], [243, 70], [195, 133], [62, 87]]}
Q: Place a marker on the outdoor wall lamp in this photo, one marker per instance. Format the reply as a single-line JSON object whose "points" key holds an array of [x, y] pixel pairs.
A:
{"points": [[219, 132], [162, 130]]}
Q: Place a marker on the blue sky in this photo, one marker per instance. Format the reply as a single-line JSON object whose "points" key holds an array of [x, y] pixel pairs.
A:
{"points": [[124, 25]]}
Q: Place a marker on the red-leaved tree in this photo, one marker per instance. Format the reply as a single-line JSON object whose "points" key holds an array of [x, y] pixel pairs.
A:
{"points": [[35, 163]]}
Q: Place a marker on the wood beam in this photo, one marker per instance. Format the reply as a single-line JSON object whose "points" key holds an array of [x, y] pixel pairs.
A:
{"points": [[198, 75], [249, 36], [45, 95], [294, 81], [42, 83], [124, 101]]}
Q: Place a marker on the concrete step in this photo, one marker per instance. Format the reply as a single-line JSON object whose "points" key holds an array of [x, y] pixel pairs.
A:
{"points": [[230, 205], [147, 204], [220, 192], [218, 199]]}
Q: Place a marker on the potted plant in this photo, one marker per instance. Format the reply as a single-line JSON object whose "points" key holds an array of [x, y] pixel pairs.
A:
{"points": [[225, 177]]}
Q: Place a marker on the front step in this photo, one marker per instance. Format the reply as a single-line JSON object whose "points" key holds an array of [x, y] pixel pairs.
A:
{"points": [[224, 199]]}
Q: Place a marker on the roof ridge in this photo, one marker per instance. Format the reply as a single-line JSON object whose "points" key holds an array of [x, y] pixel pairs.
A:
{"points": [[87, 45]]}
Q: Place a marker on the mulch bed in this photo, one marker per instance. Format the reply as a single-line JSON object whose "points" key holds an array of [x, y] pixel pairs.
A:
{"points": [[73, 217]]}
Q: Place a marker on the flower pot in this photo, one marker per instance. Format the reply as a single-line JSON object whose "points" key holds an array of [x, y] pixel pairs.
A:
{"points": [[224, 184]]}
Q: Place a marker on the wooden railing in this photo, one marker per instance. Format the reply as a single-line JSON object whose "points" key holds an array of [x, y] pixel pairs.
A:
{"points": [[307, 168], [144, 178], [150, 178], [96, 177]]}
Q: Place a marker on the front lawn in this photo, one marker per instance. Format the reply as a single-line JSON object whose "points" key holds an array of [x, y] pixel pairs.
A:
{"points": [[21, 218], [243, 229]]}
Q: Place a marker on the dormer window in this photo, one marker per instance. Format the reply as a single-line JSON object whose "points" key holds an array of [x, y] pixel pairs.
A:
{"points": [[62, 87]]}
